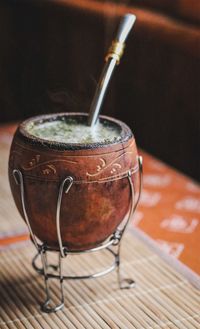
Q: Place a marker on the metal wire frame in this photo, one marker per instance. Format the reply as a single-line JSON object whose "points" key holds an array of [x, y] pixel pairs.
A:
{"points": [[42, 249]]}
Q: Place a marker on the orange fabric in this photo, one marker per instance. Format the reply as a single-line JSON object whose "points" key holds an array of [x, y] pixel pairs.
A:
{"points": [[169, 209], [13, 239]]}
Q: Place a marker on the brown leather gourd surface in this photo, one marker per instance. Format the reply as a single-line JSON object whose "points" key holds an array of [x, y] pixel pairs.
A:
{"points": [[99, 197]]}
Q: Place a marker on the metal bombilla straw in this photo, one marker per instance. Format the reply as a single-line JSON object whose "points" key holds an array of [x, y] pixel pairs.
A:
{"points": [[112, 59]]}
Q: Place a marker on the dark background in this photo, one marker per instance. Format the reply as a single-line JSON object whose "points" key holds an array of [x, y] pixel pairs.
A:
{"points": [[52, 54]]}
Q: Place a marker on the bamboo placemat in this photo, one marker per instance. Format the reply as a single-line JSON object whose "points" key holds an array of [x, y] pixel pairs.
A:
{"points": [[162, 298]]}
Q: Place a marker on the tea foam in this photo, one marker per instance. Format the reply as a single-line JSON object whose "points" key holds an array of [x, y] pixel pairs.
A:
{"points": [[71, 131]]}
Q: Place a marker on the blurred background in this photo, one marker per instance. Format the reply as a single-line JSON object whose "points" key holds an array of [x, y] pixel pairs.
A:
{"points": [[52, 53]]}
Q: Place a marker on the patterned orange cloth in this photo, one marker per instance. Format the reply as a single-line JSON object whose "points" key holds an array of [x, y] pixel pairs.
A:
{"points": [[169, 210]]}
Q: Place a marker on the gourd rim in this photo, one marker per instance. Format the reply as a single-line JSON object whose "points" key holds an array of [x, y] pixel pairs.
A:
{"points": [[125, 134]]}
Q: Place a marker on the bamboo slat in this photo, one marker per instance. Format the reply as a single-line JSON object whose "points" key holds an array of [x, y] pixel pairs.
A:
{"points": [[162, 297]]}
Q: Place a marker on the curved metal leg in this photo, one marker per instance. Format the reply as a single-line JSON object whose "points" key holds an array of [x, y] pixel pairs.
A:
{"points": [[39, 269], [66, 184], [67, 181], [46, 306], [128, 283], [42, 250], [20, 181]]}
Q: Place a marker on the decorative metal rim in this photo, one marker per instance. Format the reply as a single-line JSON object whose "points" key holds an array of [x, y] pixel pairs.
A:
{"points": [[76, 277], [112, 240]]}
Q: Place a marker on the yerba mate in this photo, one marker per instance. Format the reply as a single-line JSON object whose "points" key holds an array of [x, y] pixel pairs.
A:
{"points": [[70, 131]]}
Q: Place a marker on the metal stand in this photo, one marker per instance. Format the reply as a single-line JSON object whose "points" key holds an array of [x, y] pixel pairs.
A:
{"points": [[112, 245]]}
